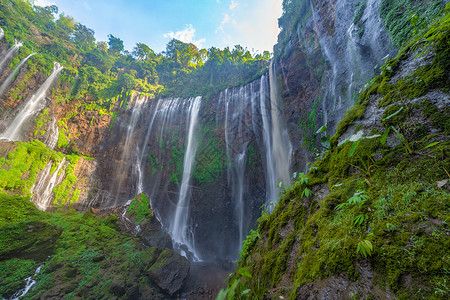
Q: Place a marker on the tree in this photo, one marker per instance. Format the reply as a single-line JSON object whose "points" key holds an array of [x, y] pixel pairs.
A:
{"points": [[143, 52], [47, 12], [66, 23], [184, 55], [84, 36], [115, 44]]}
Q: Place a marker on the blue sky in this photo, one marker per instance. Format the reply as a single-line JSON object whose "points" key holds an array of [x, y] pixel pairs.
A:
{"points": [[206, 23]]}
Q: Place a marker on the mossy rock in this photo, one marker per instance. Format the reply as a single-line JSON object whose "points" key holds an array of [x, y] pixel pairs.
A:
{"points": [[28, 240]]}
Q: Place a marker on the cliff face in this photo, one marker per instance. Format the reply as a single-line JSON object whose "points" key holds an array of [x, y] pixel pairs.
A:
{"points": [[327, 51], [368, 219]]}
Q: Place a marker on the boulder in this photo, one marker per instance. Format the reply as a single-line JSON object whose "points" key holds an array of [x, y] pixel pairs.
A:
{"points": [[169, 271], [156, 238]]}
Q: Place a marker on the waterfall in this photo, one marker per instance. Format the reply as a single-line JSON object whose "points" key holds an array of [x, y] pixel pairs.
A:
{"points": [[179, 227], [29, 283], [11, 75], [32, 106], [275, 137], [42, 190], [10, 53], [166, 152], [352, 52], [236, 104], [130, 152], [271, 193], [2, 33], [282, 148], [52, 134]]}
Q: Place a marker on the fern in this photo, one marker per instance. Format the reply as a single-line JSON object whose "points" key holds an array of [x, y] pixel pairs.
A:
{"points": [[364, 247], [306, 193], [358, 220]]}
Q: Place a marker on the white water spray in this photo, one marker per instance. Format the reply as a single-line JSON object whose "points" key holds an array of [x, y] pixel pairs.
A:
{"points": [[51, 139], [12, 51], [33, 105], [179, 227], [42, 190], [11, 75], [282, 148], [30, 282]]}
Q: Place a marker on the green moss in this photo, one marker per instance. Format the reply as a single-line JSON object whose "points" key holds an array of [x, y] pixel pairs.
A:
{"points": [[22, 166], [66, 192], [439, 117], [353, 114], [14, 272], [63, 140], [210, 156], [139, 209], [396, 15], [394, 115]]}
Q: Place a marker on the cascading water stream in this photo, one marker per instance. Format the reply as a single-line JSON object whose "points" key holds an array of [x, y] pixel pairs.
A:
{"points": [[43, 189], [275, 137], [130, 151], [179, 227], [29, 283], [235, 103], [52, 134], [32, 106], [2, 33], [282, 147], [12, 51], [352, 52], [11, 75], [267, 139]]}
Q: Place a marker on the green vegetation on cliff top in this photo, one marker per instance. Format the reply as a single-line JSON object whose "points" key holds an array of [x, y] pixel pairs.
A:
{"points": [[102, 70]]}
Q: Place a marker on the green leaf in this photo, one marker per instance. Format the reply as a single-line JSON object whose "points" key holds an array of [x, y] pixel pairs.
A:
{"points": [[364, 247], [352, 150], [245, 272], [306, 193], [390, 116], [246, 292], [385, 136], [431, 145], [321, 129], [340, 206]]}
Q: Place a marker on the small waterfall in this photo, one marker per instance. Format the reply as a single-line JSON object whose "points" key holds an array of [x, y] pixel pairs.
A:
{"points": [[130, 152], [42, 190], [12, 51], [2, 33], [237, 103], [11, 75], [179, 228], [30, 282], [351, 52], [271, 193], [51, 139], [32, 106], [278, 148], [282, 147]]}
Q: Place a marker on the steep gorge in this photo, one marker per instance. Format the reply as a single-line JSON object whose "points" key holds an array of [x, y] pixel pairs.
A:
{"points": [[208, 164]]}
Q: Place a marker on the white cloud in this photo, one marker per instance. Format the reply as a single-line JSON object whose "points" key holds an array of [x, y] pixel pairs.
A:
{"points": [[187, 36], [253, 24], [233, 4], [225, 20]]}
